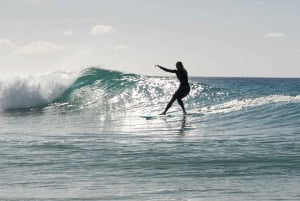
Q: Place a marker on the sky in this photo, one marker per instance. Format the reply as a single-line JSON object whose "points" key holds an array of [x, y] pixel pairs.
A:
{"points": [[227, 38]]}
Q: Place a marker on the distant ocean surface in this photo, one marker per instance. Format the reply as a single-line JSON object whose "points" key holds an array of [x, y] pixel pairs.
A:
{"points": [[81, 136]]}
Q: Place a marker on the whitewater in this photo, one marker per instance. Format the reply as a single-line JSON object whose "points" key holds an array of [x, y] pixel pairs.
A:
{"points": [[81, 136]]}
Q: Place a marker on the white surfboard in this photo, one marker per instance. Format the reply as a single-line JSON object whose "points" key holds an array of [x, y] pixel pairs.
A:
{"points": [[154, 116]]}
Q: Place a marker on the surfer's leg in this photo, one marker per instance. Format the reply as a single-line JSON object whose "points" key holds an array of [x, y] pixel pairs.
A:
{"points": [[180, 96], [169, 105], [181, 104]]}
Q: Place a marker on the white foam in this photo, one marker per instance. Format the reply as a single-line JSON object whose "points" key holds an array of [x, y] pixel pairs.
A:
{"points": [[236, 105], [33, 91]]}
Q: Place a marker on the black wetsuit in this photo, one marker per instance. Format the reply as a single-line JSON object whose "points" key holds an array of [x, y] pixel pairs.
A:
{"points": [[184, 87]]}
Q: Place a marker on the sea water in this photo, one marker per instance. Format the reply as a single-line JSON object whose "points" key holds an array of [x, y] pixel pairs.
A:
{"points": [[80, 136]]}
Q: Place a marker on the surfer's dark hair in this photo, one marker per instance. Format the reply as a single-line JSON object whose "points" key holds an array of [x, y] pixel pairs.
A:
{"points": [[179, 63]]}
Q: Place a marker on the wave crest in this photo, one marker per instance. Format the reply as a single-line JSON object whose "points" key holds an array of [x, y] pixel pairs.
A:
{"points": [[33, 91]]}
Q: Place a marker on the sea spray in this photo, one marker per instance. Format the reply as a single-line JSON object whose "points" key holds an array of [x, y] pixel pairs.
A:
{"points": [[33, 91]]}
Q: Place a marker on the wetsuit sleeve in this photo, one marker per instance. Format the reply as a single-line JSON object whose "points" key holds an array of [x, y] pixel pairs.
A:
{"points": [[167, 70]]}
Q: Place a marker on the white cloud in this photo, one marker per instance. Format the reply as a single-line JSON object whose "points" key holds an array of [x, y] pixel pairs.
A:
{"points": [[41, 47], [101, 29], [68, 32], [120, 47], [274, 35], [6, 45]]}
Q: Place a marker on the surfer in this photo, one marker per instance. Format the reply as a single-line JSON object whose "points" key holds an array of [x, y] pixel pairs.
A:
{"points": [[184, 87]]}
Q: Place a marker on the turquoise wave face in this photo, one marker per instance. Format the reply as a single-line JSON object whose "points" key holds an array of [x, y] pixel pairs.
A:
{"points": [[113, 90], [96, 79]]}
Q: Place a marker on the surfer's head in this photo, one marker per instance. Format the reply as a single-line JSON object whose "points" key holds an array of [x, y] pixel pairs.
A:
{"points": [[179, 65]]}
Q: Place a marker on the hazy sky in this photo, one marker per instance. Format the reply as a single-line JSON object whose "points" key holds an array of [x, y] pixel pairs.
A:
{"points": [[211, 37]]}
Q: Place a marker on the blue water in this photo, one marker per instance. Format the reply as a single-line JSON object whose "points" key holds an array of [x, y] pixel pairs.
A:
{"points": [[80, 136]]}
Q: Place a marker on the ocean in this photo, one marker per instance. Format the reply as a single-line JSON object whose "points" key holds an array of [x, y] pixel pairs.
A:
{"points": [[82, 136]]}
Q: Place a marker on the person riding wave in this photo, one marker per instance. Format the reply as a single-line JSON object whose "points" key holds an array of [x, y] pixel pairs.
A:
{"points": [[184, 87]]}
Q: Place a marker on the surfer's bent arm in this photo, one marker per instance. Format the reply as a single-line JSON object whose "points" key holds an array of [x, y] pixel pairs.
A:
{"points": [[166, 69]]}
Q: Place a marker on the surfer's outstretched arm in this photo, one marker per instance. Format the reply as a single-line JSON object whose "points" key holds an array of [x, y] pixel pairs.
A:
{"points": [[166, 69]]}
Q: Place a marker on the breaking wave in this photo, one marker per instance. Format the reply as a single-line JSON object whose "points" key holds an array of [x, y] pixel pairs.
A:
{"points": [[107, 90]]}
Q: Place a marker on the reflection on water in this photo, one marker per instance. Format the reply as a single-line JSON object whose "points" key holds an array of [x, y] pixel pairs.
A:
{"points": [[175, 123], [183, 125]]}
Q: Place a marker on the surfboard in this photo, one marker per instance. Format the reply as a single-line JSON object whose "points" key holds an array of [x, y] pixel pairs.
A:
{"points": [[153, 116]]}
